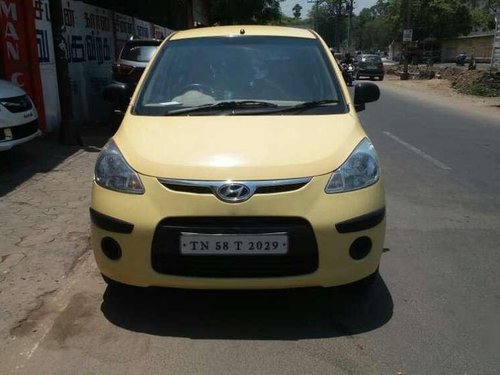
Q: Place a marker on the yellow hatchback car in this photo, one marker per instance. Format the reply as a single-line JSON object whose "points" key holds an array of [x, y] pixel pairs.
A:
{"points": [[240, 163]]}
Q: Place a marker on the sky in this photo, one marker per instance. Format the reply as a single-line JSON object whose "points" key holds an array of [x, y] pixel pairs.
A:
{"points": [[287, 5]]}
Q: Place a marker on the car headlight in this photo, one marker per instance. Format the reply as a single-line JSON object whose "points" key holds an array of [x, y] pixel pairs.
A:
{"points": [[358, 171], [112, 171]]}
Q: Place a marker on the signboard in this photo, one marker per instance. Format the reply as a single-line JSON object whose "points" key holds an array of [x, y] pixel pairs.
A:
{"points": [[142, 29], [18, 56], [407, 35], [495, 60], [88, 44], [46, 58], [124, 29]]}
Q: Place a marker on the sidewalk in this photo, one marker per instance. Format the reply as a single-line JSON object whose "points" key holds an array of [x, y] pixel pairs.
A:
{"points": [[44, 223]]}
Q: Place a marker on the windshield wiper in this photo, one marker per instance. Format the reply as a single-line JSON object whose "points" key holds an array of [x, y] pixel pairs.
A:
{"points": [[309, 105], [240, 104]]}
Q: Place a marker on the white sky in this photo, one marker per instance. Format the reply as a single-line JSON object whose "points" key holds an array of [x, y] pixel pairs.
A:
{"points": [[287, 5]]}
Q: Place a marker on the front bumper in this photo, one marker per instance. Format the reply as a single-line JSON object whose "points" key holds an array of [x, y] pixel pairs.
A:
{"points": [[16, 135], [371, 72], [334, 265]]}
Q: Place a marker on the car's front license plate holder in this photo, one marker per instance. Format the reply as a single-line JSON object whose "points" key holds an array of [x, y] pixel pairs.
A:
{"points": [[233, 244]]}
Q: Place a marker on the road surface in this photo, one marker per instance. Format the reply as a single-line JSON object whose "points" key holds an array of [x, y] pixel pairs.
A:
{"points": [[434, 309]]}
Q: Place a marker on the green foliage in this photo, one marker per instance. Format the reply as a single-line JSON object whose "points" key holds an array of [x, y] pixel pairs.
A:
{"points": [[230, 12], [330, 19], [377, 26], [481, 89], [295, 22]]}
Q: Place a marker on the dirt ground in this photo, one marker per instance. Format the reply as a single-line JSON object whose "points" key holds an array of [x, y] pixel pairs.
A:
{"points": [[440, 90]]}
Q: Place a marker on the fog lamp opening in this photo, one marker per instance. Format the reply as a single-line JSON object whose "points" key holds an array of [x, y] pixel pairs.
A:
{"points": [[360, 248]]}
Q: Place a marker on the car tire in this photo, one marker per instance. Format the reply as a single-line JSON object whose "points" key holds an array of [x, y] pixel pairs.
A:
{"points": [[366, 282], [113, 283], [381, 78]]}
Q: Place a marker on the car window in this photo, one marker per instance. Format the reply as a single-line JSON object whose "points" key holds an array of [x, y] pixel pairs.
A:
{"points": [[194, 72], [372, 59], [138, 53]]}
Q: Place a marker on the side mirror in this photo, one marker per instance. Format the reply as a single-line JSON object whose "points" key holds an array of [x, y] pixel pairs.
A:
{"points": [[365, 93], [116, 94]]}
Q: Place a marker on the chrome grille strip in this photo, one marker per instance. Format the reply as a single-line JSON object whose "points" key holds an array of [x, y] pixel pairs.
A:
{"points": [[255, 186]]}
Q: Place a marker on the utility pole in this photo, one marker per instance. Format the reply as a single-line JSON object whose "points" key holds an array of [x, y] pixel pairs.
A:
{"points": [[406, 5], [349, 25], [69, 130], [316, 17]]}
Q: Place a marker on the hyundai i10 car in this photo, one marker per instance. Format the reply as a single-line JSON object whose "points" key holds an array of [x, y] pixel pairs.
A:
{"points": [[240, 163]]}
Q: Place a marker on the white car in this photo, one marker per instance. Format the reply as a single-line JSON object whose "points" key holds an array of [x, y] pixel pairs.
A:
{"points": [[18, 116]]}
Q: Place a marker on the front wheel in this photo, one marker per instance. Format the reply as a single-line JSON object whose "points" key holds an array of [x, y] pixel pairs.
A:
{"points": [[113, 283], [381, 78]]}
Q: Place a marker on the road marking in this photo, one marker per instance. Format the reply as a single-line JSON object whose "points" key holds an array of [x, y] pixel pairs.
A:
{"points": [[419, 152]]}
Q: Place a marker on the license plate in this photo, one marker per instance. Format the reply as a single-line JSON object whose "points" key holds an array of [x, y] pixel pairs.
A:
{"points": [[234, 244]]}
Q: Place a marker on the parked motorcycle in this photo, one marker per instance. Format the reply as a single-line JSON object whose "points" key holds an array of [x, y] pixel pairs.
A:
{"points": [[460, 59]]}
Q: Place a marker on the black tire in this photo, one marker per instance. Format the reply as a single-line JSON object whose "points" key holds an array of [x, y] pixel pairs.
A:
{"points": [[367, 281], [381, 78], [113, 283]]}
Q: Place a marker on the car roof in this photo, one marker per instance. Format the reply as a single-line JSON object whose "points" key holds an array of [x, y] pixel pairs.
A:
{"points": [[221, 31]]}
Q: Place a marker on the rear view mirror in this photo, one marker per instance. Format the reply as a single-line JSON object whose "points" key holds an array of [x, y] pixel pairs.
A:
{"points": [[116, 94], [365, 93]]}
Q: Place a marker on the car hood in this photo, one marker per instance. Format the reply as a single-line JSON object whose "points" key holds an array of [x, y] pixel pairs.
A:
{"points": [[9, 90], [238, 147]]}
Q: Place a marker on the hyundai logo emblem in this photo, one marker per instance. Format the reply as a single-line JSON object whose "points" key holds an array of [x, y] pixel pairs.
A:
{"points": [[234, 192]]}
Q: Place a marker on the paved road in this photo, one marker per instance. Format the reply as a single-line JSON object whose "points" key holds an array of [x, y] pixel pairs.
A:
{"points": [[434, 309]]}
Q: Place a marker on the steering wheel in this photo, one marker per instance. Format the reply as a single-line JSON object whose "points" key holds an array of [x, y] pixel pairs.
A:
{"points": [[200, 87]]}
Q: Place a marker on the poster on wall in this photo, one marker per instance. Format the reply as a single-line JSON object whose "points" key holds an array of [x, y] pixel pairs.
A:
{"points": [[89, 48], [18, 55], [142, 28], [160, 32], [124, 29], [45, 47]]}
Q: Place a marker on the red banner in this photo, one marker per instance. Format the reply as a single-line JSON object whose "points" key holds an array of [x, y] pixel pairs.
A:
{"points": [[18, 50]]}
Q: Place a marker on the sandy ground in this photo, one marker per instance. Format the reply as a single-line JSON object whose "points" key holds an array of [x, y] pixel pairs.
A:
{"points": [[440, 92]]}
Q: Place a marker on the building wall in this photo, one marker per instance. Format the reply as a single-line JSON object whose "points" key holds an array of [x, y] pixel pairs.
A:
{"points": [[92, 39], [479, 46], [46, 57]]}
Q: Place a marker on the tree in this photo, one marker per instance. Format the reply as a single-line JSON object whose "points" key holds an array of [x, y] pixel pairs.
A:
{"points": [[377, 26], [230, 12], [296, 11], [330, 18]]}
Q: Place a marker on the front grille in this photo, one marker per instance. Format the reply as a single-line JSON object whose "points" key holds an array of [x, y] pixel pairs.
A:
{"points": [[17, 104], [260, 187], [23, 131], [302, 257], [19, 132]]}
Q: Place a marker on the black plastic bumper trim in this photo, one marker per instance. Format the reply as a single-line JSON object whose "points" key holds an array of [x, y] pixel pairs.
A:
{"points": [[109, 223], [362, 222]]}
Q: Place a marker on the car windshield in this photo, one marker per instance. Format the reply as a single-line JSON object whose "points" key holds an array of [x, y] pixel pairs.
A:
{"points": [[139, 53], [261, 72], [372, 59]]}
